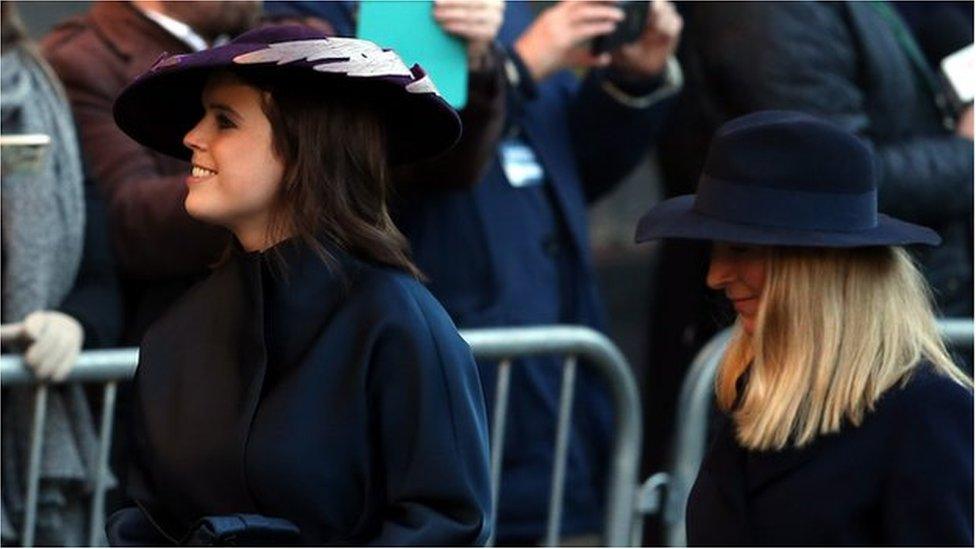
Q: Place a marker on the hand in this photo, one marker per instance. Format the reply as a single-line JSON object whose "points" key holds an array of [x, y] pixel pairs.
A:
{"points": [[964, 127], [559, 37], [55, 341], [476, 21], [648, 55]]}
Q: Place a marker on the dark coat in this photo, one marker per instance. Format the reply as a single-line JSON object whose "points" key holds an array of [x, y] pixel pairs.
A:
{"points": [[346, 404], [903, 477], [498, 255]]}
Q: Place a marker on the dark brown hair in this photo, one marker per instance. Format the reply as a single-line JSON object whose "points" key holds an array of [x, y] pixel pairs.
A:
{"points": [[333, 145]]}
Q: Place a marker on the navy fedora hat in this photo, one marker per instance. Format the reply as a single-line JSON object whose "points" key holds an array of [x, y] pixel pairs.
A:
{"points": [[783, 178], [163, 103]]}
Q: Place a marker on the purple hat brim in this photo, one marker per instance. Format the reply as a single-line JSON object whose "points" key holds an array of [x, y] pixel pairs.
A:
{"points": [[163, 104], [677, 218]]}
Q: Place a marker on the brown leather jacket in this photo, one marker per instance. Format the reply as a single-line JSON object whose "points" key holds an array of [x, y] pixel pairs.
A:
{"points": [[96, 55]]}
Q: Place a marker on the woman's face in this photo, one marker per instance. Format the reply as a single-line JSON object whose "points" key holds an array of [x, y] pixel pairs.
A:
{"points": [[740, 271], [236, 173]]}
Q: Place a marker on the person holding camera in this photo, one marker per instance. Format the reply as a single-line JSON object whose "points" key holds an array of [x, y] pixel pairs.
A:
{"points": [[512, 248]]}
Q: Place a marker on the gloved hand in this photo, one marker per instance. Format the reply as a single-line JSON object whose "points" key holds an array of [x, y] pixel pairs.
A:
{"points": [[54, 341]]}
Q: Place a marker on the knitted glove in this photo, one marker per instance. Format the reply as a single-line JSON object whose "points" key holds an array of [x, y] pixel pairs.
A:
{"points": [[54, 341]]}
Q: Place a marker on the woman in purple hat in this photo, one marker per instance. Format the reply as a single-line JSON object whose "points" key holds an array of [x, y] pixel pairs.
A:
{"points": [[310, 391], [845, 421]]}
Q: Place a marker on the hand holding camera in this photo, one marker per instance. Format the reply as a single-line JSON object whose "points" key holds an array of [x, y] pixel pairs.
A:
{"points": [[648, 55], [636, 38]]}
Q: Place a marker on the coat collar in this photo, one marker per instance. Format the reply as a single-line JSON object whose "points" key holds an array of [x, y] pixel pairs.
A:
{"points": [[211, 353]]}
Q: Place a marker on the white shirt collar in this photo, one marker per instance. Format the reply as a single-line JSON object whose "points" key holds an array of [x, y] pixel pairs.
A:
{"points": [[179, 29]]}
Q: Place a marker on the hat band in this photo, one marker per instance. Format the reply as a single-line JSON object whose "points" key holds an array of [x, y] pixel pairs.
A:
{"points": [[789, 209]]}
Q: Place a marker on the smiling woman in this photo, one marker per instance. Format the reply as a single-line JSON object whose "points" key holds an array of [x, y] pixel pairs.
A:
{"points": [[310, 391], [237, 174], [845, 421]]}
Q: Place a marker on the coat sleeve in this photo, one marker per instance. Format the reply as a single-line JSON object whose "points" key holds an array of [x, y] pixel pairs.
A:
{"points": [[929, 497], [96, 297], [153, 235], [803, 56], [431, 428], [610, 138]]}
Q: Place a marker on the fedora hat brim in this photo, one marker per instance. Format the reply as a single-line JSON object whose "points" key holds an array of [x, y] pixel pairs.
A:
{"points": [[163, 104], [677, 218]]}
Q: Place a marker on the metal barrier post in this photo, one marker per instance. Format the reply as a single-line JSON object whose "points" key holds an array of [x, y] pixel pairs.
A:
{"points": [[498, 438], [97, 521], [559, 457], [34, 465], [601, 354]]}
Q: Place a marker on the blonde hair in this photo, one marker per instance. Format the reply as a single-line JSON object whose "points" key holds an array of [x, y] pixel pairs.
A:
{"points": [[836, 328]]}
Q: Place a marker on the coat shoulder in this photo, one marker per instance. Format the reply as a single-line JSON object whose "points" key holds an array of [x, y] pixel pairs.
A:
{"points": [[401, 299], [927, 392]]}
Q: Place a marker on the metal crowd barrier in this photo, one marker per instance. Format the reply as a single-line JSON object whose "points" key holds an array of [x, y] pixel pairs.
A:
{"points": [[694, 407], [580, 345]]}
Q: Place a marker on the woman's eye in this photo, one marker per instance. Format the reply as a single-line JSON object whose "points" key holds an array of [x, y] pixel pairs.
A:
{"points": [[223, 122]]}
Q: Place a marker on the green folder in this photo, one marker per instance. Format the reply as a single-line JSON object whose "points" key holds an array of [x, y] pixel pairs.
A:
{"points": [[408, 27]]}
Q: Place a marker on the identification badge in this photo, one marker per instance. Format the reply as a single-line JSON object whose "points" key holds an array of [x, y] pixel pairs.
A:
{"points": [[521, 167]]}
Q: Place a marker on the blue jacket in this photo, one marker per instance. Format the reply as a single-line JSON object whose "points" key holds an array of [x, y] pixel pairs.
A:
{"points": [[903, 477], [499, 255], [344, 402]]}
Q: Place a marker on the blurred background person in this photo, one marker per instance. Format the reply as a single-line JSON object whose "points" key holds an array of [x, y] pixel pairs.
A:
{"points": [[159, 249], [59, 292], [854, 63], [511, 248]]}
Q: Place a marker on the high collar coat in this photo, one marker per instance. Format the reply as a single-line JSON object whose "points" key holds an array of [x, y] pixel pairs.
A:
{"points": [[903, 477], [341, 400]]}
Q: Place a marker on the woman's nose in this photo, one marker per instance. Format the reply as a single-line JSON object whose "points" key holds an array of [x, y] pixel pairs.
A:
{"points": [[194, 139], [720, 272]]}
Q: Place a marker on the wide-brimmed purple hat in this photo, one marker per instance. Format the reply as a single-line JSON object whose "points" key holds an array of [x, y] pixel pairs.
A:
{"points": [[783, 178], [160, 106]]}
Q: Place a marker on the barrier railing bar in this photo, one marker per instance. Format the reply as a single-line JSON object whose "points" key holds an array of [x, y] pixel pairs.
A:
{"points": [[34, 464], [487, 344], [566, 392], [97, 526], [92, 367], [502, 385]]}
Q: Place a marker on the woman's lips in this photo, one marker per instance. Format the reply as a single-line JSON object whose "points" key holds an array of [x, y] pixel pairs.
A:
{"points": [[744, 305]]}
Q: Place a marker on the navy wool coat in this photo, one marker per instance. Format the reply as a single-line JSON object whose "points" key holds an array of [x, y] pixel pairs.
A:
{"points": [[343, 401], [903, 477]]}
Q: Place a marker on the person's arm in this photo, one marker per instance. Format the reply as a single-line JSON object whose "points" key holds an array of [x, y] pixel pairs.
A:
{"points": [[153, 236], [928, 498], [429, 416], [618, 109], [802, 56]]}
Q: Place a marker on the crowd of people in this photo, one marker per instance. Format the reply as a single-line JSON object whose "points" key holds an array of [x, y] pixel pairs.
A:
{"points": [[292, 224]]}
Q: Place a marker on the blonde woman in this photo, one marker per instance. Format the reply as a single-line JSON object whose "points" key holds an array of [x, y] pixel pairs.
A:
{"points": [[845, 420]]}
